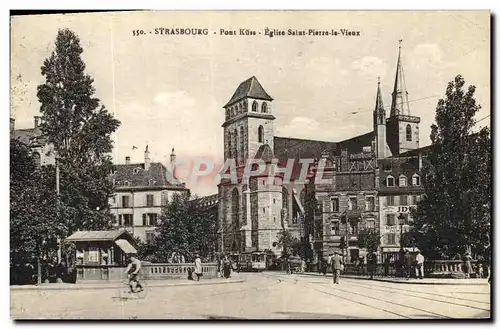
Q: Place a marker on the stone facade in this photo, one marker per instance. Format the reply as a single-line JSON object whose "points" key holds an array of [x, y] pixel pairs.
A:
{"points": [[353, 183]]}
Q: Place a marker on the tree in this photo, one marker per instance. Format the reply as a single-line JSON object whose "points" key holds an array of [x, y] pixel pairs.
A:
{"points": [[369, 239], [289, 243], [453, 215], [80, 129], [185, 229], [34, 224]]}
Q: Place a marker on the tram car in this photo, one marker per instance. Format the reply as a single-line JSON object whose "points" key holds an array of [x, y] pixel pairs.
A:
{"points": [[252, 261]]}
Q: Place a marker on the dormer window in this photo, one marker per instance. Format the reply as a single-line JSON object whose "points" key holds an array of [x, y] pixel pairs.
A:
{"points": [[152, 182], [390, 181], [126, 183], [136, 170], [402, 181], [415, 180]]}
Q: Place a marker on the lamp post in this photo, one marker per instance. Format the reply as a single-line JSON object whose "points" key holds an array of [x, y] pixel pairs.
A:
{"points": [[401, 219]]}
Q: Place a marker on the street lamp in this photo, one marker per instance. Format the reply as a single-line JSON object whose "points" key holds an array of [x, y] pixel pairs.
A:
{"points": [[401, 219]]}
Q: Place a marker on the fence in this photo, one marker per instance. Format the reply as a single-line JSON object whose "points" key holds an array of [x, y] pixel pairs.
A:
{"points": [[438, 268]]}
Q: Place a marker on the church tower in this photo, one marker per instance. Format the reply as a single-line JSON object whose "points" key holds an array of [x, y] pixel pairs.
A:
{"points": [[382, 150], [248, 209], [249, 122], [402, 127]]}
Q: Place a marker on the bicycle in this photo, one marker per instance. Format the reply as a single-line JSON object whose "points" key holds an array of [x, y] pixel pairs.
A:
{"points": [[126, 293]]}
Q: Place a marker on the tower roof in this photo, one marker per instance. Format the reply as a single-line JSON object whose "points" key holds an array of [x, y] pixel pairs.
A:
{"points": [[379, 103], [249, 88], [400, 95]]}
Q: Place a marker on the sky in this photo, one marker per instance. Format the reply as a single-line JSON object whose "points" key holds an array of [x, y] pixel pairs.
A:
{"points": [[168, 91]]}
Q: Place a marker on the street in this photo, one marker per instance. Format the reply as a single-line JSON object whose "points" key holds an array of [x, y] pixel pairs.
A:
{"points": [[268, 295]]}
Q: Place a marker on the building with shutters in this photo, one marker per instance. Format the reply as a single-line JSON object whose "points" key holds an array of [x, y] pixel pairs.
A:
{"points": [[141, 192]]}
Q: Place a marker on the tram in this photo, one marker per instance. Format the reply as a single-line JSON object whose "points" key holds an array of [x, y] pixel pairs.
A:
{"points": [[252, 261]]}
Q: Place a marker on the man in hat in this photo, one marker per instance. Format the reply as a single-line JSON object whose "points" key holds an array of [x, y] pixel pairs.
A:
{"points": [[336, 266]]}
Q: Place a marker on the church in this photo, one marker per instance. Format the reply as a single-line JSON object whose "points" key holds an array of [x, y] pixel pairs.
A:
{"points": [[253, 211]]}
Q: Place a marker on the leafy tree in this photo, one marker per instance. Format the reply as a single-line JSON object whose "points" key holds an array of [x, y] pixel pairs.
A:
{"points": [[34, 224], [184, 229], [80, 130], [289, 243], [454, 213], [369, 239]]}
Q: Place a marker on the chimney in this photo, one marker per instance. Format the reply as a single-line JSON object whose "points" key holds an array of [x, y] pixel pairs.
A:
{"points": [[147, 160], [12, 124], [172, 157], [37, 121], [127, 160]]}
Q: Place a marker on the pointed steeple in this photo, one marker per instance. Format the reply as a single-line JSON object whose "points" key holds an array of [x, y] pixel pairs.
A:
{"points": [[379, 103], [379, 112], [399, 104]]}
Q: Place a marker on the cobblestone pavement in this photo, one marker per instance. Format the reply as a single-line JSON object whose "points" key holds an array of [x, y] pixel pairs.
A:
{"points": [[265, 295]]}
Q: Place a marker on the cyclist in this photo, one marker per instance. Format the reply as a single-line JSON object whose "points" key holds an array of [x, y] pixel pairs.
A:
{"points": [[132, 272]]}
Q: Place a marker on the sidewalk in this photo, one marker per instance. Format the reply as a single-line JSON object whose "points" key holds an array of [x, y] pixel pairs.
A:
{"points": [[117, 284], [435, 281]]}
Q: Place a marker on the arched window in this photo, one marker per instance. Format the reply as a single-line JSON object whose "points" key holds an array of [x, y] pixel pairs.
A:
{"points": [[390, 181], [402, 181], [245, 106], [415, 180], [229, 145], [264, 107], [261, 134], [254, 106], [303, 197], [36, 158], [285, 199], [235, 214], [408, 133], [228, 114], [242, 144], [235, 134]]}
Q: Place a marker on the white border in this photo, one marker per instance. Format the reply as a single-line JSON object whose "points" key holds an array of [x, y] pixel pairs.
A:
{"points": [[189, 5]]}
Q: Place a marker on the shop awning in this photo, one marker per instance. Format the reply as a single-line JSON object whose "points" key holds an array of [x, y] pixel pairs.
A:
{"points": [[126, 246]]}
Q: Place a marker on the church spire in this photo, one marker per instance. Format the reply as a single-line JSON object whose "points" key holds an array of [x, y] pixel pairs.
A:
{"points": [[399, 104], [379, 112]]}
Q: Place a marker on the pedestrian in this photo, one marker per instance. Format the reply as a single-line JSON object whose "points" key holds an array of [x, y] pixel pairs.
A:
{"points": [[373, 264], [303, 266], [480, 271], [226, 266], [336, 267], [467, 259], [221, 262], [387, 264], [197, 267], [419, 269], [407, 264]]}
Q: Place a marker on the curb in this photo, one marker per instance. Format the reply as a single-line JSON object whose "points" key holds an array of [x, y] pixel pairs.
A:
{"points": [[115, 285], [460, 282]]}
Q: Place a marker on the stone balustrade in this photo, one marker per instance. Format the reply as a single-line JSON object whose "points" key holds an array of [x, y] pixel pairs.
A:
{"points": [[176, 271], [167, 271]]}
